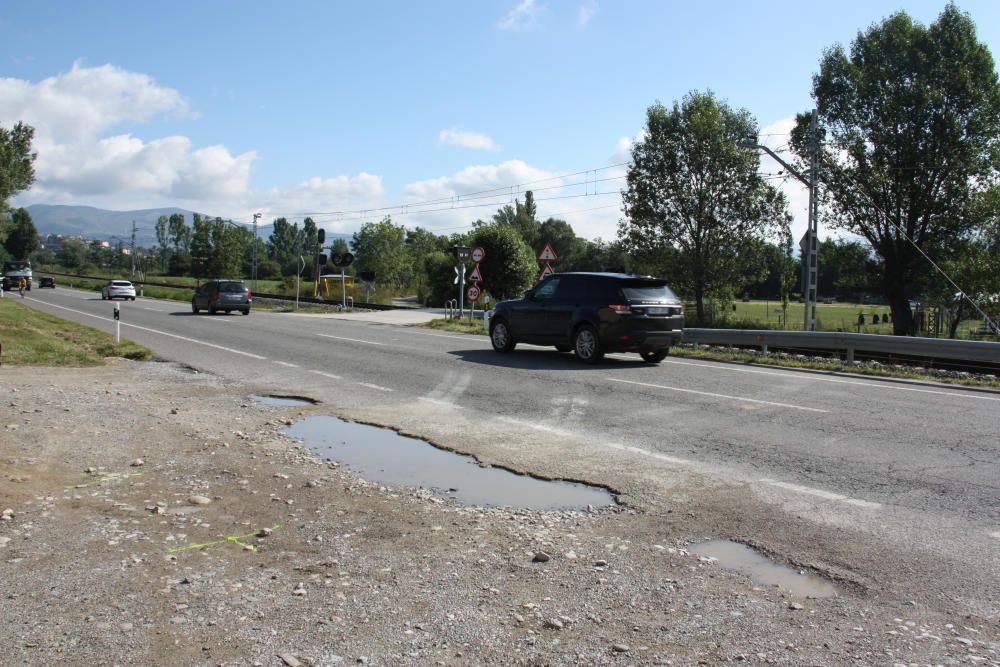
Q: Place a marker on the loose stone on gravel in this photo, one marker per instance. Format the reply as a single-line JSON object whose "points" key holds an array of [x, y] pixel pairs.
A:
{"points": [[199, 500]]}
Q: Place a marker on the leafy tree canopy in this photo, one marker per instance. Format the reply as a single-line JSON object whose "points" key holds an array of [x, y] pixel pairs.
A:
{"points": [[17, 170]]}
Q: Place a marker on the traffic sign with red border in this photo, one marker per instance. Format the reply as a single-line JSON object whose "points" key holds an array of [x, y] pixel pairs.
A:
{"points": [[478, 254], [546, 272], [472, 293], [475, 276], [548, 254]]}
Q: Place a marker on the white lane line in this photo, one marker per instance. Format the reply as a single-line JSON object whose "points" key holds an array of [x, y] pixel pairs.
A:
{"points": [[537, 427], [286, 363], [156, 331], [466, 337], [686, 462], [327, 375], [706, 393], [353, 340], [821, 493], [374, 386], [813, 378], [438, 401]]}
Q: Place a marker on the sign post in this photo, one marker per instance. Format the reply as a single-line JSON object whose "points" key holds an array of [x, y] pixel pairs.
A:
{"points": [[461, 254]]}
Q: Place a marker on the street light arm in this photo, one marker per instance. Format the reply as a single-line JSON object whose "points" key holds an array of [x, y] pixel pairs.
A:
{"points": [[788, 167]]}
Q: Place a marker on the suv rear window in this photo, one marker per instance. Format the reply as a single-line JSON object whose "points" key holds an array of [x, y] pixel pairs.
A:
{"points": [[232, 287], [647, 290]]}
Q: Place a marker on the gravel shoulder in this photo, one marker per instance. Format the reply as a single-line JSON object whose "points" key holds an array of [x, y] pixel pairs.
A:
{"points": [[158, 516]]}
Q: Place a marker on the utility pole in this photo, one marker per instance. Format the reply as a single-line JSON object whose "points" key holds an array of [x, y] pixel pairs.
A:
{"points": [[810, 254], [253, 269], [809, 244], [132, 250]]}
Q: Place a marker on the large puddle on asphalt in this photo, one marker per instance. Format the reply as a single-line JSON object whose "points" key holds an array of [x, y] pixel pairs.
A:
{"points": [[281, 401], [384, 456], [741, 558]]}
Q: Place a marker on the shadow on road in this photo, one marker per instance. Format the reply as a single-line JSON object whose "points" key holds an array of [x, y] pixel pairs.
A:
{"points": [[543, 359]]}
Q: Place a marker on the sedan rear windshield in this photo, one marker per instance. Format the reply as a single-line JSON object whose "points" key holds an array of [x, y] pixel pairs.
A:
{"points": [[232, 287], [647, 290], [120, 283]]}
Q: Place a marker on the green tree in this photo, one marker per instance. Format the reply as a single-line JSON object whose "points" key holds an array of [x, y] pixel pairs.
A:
{"points": [[284, 246], [201, 247], [163, 239], [381, 247], [17, 162], [694, 196], [21, 238], [509, 267], [73, 254], [846, 269], [570, 248], [912, 133]]}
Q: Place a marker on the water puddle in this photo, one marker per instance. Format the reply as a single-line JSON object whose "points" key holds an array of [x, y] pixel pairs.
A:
{"points": [[282, 401], [743, 559], [384, 456]]}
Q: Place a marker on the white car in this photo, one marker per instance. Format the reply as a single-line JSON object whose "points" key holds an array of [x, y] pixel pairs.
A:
{"points": [[118, 289]]}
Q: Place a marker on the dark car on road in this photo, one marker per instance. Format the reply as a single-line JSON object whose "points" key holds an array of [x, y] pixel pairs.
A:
{"points": [[593, 313], [47, 281], [224, 295]]}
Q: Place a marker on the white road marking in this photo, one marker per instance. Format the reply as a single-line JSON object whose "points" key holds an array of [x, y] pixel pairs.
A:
{"points": [[156, 331], [821, 493], [706, 393], [286, 363], [466, 337], [327, 375], [995, 534], [374, 386], [814, 378], [437, 401], [353, 340], [537, 427]]}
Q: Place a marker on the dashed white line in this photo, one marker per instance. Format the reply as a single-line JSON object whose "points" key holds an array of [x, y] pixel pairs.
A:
{"points": [[437, 401], [537, 427], [286, 363], [161, 333], [713, 395], [814, 378], [374, 386], [327, 375], [466, 337], [353, 340], [828, 495]]}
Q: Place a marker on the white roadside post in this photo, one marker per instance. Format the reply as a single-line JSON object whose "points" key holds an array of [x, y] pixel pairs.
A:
{"points": [[118, 325]]}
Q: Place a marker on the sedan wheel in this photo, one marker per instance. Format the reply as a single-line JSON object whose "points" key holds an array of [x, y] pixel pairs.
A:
{"points": [[501, 338], [587, 345], [655, 356]]}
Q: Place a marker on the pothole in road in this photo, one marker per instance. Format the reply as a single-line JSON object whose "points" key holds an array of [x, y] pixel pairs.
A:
{"points": [[384, 456], [282, 401], [743, 559]]}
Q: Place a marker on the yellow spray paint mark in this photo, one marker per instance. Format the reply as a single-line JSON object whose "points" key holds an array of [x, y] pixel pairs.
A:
{"points": [[97, 481], [235, 539]]}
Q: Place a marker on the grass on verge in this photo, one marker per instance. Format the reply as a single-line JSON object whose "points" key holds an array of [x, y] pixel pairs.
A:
{"points": [[748, 357], [33, 338]]}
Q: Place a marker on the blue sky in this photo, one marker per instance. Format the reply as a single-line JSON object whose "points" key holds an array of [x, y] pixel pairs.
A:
{"points": [[232, 108]]}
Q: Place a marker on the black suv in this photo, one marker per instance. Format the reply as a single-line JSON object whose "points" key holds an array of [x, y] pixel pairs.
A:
{"points": [[225, 295], [593, 313]]}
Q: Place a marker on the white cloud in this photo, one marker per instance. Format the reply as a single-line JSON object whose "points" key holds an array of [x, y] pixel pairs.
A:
{"points": [[586, 12], [520, 18], [472, 140], [322, 198]]}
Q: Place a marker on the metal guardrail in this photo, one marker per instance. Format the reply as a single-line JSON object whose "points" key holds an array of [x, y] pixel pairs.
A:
{"points": [[849, 343]]}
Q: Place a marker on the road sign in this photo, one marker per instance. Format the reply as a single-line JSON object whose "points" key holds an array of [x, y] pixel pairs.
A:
{"points": [[548, 254], [478, 254], [475, 276], [472, 293], [456, 276], [546, 272]]}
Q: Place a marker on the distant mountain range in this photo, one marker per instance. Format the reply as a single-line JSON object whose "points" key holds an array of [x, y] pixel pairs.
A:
{"points": [[98, 223]]}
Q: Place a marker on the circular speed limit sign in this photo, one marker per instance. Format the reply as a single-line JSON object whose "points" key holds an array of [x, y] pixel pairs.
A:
{"points": [[478, 254], [472, 293]]}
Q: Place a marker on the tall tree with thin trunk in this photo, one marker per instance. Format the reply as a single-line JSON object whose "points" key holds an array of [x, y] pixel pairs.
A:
{"points": [[694, 194], [912, 137]]}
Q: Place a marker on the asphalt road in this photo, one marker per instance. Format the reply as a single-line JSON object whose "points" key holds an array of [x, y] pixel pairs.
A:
{"points": [[896, 467]]}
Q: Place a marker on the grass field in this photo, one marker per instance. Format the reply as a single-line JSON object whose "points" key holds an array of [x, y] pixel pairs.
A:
{"points": [[33, 338]]}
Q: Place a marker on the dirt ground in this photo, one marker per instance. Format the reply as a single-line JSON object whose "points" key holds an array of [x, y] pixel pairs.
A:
{"points": [[158, 516]]}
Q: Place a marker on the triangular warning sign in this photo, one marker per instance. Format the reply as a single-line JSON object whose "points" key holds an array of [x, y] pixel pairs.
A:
{"points": [[548, 254], [546, 272], [475, 276]]}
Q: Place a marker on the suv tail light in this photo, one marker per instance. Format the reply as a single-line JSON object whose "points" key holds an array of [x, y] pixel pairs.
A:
{"points": [[248, 297], [621, 309], [215, 296]]}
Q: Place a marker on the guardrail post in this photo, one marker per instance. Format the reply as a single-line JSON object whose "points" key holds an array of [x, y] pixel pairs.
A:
{"points": [[850, 355]]}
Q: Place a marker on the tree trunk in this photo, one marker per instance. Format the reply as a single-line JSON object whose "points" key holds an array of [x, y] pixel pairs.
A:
{"points": [[957, 319], [699, 302]]}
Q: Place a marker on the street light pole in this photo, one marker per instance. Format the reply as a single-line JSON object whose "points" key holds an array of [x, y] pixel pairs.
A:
{"points": [[253, 272]]}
